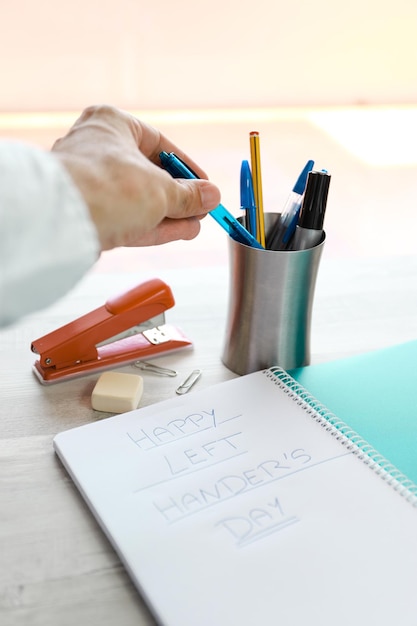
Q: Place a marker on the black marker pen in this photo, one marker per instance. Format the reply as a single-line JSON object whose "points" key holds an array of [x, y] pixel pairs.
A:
{"points": [[309, 229]]}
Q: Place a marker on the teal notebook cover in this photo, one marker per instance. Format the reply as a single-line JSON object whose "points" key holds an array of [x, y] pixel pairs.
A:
{"points": [[375, 393]]}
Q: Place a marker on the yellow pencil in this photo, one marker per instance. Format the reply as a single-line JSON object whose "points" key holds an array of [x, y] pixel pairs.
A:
{"points": [[257, 185]]}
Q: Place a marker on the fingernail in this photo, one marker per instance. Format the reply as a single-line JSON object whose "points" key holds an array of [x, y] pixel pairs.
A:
{"points": [[210, 196]]}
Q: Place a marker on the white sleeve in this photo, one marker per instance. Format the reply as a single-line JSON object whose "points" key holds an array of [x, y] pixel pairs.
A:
{"points": [[47, 239]]}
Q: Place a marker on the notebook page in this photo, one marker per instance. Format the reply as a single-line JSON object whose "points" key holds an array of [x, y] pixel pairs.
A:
{"points": [[232, 505]]}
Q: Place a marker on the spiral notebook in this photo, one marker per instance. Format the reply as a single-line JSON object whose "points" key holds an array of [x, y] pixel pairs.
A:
{"points": [[375, 392], [249, 503]]}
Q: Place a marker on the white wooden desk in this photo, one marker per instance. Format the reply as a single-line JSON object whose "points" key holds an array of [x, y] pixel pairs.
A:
{"points": [[56, 566]]}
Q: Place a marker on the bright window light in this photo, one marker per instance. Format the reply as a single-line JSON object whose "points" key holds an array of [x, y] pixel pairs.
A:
{"points": [[379, 136]]}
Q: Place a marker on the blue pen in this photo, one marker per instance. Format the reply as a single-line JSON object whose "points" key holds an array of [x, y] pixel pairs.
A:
{"points": [[282, 234], [178, 169], [247, 198]]}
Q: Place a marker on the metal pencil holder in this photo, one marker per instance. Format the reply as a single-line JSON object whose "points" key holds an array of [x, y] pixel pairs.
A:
{"points": [[270, 306]]}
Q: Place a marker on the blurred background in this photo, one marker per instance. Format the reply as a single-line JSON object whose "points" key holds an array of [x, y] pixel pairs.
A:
{"points": [[336, 83]]}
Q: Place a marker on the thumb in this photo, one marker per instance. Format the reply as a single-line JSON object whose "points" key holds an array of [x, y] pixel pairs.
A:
{"points": [[194, 197]]}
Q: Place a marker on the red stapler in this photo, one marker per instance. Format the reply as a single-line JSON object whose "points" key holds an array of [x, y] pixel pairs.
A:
{"points": [[117, 332]]}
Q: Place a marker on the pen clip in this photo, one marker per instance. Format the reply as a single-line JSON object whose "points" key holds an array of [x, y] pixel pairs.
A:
{"points": [[188, 382], [185, 164], [173, 160]]}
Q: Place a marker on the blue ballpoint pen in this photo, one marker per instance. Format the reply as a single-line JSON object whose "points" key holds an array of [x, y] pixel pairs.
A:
{"points": [[282, 234], [178, 169], [247, 198]]}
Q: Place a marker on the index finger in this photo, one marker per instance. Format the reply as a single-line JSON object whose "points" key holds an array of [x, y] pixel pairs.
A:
{"points": [[152, 142]]}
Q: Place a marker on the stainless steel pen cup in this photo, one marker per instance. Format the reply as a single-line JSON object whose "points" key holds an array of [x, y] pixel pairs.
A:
{"points": [[270, 305]]}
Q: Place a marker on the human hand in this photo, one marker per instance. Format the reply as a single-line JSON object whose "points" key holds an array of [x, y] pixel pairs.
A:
{"points": [[113, 158]]}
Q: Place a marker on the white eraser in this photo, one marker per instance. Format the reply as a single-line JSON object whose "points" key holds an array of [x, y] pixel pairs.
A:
{"points": [[115, 392]]}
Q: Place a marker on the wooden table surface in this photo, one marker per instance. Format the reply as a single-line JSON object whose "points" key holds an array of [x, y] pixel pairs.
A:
{"points": [[56, 566]]}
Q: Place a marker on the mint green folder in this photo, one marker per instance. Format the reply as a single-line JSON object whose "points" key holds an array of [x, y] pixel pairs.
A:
{"points": [[375, 394]]}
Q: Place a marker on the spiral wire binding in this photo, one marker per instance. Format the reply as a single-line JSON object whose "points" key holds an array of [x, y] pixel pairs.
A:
{"points": [[343, 433]]}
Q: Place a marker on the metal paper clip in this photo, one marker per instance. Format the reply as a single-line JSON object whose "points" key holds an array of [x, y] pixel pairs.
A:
{"points": [[155, 369], [189, 382]]}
